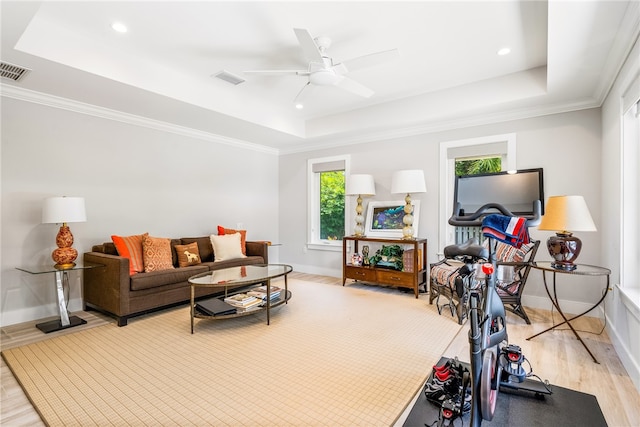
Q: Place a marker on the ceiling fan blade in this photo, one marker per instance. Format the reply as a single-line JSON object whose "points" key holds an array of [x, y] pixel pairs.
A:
{"points": [[354, 87], [308, 44], [278, 72], [300, 96], [371, 59]]}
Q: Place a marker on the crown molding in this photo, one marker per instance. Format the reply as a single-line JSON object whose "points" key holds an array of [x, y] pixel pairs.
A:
{"points": [[53, 101], [332, 141]]}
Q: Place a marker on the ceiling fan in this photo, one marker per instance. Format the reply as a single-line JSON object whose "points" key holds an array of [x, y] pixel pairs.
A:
{"points": [[324, 71]]}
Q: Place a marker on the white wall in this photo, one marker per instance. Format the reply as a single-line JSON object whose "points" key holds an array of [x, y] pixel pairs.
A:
{"points": [[623, 320], [567, 146], [134, 180]]}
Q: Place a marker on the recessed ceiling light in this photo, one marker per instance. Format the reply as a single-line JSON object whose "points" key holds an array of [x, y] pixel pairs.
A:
{"points": [[299, 105], [504, 51], [119, 27]]}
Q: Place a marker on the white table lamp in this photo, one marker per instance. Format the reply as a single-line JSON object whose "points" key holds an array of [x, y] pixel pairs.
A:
{"points": [[407, 182], [62, 210], [360, 185]]}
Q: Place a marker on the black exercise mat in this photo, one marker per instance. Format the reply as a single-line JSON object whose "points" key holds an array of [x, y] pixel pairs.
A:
{"points": [[520, 408]]}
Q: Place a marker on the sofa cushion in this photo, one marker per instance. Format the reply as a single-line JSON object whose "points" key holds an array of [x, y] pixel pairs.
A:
{"points": [[155, 279], [204, 247], [243, 236], [131, 247], [227, 247], [156, 253], [188, 254]]}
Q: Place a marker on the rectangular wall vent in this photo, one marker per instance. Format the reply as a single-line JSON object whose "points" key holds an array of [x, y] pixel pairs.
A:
{"points": [[13, 72], [229, 77]]}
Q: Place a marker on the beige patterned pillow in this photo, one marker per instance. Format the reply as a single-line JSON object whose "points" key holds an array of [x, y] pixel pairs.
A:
{"points": [[156, 253], [188, 254]]}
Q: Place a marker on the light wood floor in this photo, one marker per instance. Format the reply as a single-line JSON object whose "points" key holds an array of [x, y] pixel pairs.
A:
{"points": [[556, 356]]}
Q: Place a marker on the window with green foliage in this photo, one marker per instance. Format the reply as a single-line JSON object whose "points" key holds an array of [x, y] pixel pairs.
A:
{"points": [[485, 154], [326, 188], [332, 205], [478, 165]]}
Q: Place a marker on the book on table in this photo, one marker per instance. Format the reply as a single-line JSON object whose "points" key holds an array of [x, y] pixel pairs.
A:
{"points": [[261, 292], [242, 300], [215, 307]]}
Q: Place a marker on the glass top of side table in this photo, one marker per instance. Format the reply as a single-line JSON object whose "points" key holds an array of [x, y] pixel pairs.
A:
{"points": [[581, 269], [51, 268], [241, 275]]}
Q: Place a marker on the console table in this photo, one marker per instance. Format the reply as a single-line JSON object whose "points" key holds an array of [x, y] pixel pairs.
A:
{"points": [[581, 270], [62, 292], [412, 276]]}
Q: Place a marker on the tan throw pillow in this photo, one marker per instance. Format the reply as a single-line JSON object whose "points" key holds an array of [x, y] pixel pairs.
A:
{"points": [[156, 253], [188, 254], [226, 247]]}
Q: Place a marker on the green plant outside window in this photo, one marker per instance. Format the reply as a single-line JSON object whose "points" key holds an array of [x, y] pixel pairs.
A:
{"points": [[478, 166], [332, 205]]}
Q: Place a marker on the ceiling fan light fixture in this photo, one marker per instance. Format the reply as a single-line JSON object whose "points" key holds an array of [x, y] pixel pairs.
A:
{"points": [[324, 78]]}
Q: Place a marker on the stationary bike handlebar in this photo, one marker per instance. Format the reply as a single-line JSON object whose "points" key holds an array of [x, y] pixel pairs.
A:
{"points": [[460, 219]]}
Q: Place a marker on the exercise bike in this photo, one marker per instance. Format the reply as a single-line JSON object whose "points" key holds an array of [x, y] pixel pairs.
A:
{"points": [[494, 363]]}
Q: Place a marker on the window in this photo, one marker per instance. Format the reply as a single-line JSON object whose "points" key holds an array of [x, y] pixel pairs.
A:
{"points": [[327, 202], [630, 233], [469, 153]]}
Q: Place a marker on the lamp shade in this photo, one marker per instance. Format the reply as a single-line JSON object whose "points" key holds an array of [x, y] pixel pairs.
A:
{"points": [[57, 210], [567, 213], [361, 184], [408, 181]]}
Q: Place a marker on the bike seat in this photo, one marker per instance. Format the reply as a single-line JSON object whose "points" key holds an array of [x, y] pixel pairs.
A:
{"points": [[470, 248]]}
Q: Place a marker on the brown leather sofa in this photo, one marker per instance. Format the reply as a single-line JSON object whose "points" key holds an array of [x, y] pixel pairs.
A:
{"points": [[110, 289]]}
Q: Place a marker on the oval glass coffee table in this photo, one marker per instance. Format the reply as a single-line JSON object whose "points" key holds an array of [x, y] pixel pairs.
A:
{"points": [[233, 280]]}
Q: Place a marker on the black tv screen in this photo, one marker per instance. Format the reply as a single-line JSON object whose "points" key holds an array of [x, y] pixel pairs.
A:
{"points": [[516, 191]]}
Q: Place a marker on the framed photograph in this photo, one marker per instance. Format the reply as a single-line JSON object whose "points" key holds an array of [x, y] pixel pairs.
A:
{"points": [[384, 219]]}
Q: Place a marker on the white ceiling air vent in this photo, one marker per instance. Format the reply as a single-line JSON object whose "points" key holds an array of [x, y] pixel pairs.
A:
{"points": [[229, 77], [13, 72]]}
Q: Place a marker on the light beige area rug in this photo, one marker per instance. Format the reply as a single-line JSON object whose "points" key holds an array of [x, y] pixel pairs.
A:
{"points": [[333, 356]]}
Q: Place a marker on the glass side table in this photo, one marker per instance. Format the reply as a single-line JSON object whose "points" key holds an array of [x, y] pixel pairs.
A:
{"points": [[62, 292], [581, 270]]}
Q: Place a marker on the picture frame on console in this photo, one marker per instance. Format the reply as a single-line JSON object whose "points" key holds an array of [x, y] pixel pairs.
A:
{"points": [[384, 219]]}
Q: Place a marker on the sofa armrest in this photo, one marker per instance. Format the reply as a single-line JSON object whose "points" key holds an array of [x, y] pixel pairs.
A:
{"points": [[258, 249], [107, 288]]}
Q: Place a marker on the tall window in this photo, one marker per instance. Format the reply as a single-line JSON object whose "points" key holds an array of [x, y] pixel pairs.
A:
{"points": [[477, 155], [630, 247], [326, 179]]}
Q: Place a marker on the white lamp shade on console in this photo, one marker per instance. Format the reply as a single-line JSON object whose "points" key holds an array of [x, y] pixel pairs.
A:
{"points": [[565, 214], [62, 210], [360, 185], [407, 182]]}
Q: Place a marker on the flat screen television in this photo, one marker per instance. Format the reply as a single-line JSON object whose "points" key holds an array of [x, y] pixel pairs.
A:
{"points": [[516, 191]]}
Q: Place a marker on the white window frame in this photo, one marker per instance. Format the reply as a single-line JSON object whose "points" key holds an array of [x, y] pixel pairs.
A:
{"points": [[630, 200], [314, 241], [448, 172]]}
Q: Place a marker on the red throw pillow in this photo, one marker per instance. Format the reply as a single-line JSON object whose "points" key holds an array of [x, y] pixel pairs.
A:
{"points": [[131, 247], [243, 236]]}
